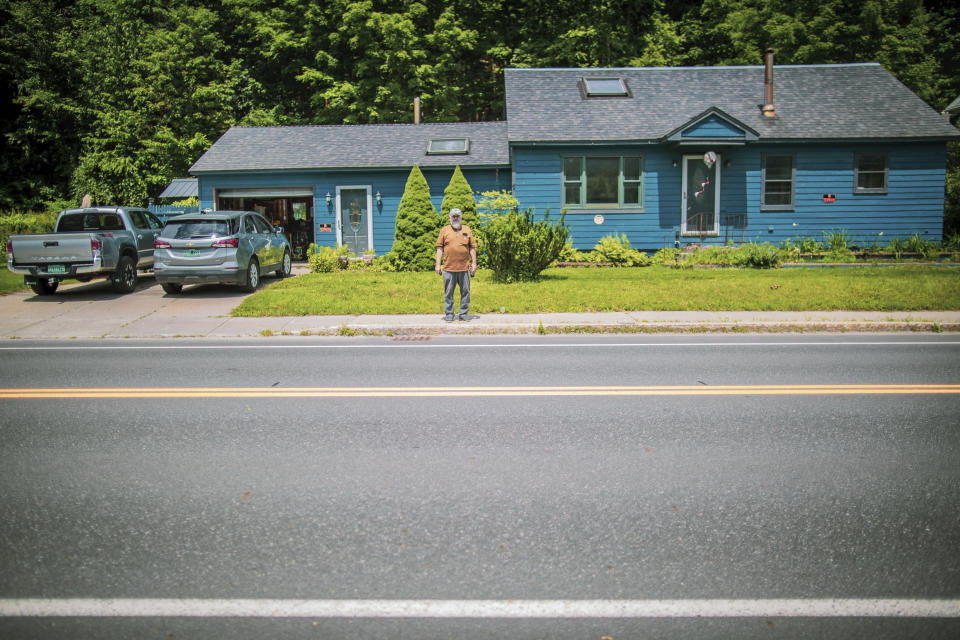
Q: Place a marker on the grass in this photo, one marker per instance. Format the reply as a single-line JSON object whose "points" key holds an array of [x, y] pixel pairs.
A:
{"points": [[899, 288], [10, 282]]}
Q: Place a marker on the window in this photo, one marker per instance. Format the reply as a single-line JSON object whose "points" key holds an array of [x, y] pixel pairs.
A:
{"points": [[595, 87], [439, 146], [615, 181], [870, 173], [778, 182]]}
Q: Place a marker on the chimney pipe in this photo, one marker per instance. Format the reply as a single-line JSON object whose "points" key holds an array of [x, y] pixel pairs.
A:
{"points": [[416, 110], [767, 109]]}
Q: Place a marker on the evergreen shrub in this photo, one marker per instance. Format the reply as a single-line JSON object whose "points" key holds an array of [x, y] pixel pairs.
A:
{"points": [[418, 225]]}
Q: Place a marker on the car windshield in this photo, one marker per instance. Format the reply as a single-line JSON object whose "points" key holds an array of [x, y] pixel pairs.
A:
{"points": [[199, 228]]}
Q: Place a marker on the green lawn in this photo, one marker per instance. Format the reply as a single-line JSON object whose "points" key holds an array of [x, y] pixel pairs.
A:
{"points": [[649, 288], [10, 281]]}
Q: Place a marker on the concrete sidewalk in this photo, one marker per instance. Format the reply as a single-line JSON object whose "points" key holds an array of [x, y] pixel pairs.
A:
{"points": [[93, 311]]}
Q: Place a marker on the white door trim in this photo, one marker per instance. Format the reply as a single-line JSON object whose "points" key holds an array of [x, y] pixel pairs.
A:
{"points": [[369, 189], [716, 199]]}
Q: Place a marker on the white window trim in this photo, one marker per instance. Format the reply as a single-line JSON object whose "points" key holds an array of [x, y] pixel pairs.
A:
{"points": [[338, 210]]}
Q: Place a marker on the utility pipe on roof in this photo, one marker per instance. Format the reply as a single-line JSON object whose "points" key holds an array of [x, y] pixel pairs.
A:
{"points": [[416, 110], [768, 109]]}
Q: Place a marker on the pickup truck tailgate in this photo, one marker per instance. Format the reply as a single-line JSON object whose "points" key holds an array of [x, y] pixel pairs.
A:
{"points": [[53, 247]]}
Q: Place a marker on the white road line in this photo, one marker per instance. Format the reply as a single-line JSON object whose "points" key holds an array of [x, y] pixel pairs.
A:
{"points": [[215, 608], [645, 345]]}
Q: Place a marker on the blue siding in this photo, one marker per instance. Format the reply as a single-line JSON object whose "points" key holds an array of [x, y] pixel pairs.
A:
{"points": [[389, 183], [713, 127], [913, 203]]}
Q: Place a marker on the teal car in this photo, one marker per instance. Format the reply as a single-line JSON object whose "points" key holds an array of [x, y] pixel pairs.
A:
{"points": [[221, 247]]}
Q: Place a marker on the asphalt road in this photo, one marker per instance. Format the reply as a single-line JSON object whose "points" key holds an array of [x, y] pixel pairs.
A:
{"points": [[481, 472]]}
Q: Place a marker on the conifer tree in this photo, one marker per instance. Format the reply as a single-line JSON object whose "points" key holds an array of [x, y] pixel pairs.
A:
{"points": [[415, 238], [458, 194]]}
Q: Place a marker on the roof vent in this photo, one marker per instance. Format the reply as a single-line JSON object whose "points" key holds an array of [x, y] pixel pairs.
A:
{"points": [[767, 108]]}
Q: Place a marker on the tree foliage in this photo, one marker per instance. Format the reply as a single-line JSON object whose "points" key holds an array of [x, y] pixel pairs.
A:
{"points": [[116, 97]]}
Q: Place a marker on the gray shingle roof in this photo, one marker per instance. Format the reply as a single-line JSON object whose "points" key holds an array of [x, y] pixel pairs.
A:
{"points": [[352, 146], [827, 102], [953, 107]]}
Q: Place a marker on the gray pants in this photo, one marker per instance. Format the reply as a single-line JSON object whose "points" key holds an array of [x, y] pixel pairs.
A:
{"points": [[451, 280]]}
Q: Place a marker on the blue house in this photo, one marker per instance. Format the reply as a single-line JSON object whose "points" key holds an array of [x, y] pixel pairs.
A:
{"points": [[663, 155]]}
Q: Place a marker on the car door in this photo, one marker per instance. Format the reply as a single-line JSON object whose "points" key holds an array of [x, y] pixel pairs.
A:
{"points": [[266, 229], [259, 245], [144, 234]]}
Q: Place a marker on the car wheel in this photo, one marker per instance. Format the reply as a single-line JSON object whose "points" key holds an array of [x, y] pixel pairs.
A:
{"points": [[172, 287], [253, 276], [43, 287], [125, 277], [286, 266]]}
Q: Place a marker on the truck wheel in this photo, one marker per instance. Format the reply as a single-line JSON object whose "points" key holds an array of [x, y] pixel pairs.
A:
{"points": [[286, 266], [172, 287], [43, 287], [253, 276], [124, 279]]}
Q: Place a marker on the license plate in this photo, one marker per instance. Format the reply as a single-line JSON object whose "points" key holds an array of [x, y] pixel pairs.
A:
{"points": [[56, 268], [191, 253]]}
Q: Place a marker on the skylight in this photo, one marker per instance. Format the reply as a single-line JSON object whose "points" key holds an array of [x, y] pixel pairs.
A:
{"points": [[439, 146], [605, 87]]}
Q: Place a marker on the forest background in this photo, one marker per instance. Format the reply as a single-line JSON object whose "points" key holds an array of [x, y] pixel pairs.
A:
{"points": [[117, 97]]}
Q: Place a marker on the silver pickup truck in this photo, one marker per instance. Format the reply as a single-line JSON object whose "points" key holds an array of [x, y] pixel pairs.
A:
{"points": [[97, 242]]}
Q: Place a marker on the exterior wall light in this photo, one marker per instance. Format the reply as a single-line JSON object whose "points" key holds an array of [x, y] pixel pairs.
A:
{"points": [[379, 201], [328, 197]]}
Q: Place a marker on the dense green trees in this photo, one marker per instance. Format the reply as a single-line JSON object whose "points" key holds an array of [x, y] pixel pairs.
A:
{"points": [[115, 97]]}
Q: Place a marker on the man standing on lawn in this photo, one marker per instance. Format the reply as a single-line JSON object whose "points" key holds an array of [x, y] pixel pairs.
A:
{"points": [[459, 251]]}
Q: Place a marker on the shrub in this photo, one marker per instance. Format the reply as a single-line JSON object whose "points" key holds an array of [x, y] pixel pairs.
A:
{"points": [[459, 195], [519, 247], [666, 256], [759, 255], [916, 244], [418, 225], [616, 249], [324, 260]]}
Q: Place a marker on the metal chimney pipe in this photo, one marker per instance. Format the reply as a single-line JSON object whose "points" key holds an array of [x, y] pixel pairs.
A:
{"points": [[416, 110], [768, 109]]}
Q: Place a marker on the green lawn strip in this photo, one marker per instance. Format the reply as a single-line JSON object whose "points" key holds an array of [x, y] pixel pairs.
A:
{"points": [[905, 288], [10, 282]]}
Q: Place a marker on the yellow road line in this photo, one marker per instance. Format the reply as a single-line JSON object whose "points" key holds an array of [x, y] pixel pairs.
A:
{"points": [[480, 392]]}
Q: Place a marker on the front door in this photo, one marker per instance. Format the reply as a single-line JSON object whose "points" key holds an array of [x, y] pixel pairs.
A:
{"points": [[701, 194], [354, 225]]}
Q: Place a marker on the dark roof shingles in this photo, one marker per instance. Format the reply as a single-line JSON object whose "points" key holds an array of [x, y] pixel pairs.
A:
{"points": [[352, 146], [853, 101]]}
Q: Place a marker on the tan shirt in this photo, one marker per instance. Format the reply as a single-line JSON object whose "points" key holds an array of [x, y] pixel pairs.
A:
{"points": [[456, 247]]}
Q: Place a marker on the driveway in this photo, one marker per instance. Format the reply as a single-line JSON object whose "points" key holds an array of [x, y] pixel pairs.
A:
{"points": [[94, 310]]}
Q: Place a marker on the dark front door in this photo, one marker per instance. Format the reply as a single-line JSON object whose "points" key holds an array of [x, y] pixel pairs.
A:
{"points": [[701, 192]]}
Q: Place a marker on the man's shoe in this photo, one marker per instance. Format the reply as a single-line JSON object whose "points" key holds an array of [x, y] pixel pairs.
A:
{"points": [[448, 318], [462, 318]]}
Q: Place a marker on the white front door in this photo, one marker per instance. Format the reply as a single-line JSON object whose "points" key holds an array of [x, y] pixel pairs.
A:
{"points": [[354, 222], [701, 195]]}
